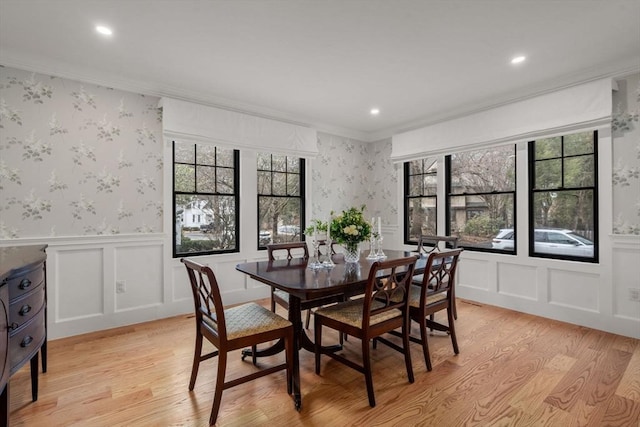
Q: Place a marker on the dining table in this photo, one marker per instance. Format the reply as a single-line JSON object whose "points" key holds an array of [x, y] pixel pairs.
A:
{"points": [[302, 283]]}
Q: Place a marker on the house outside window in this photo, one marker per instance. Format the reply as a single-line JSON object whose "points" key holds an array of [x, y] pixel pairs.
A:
{"points": [[281, 199], [563, 197], [481, 196], [206, 199], [420, 200]]}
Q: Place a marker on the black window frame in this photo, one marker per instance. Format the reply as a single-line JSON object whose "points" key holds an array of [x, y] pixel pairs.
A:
{"points": [[302, 194], [532, 191], [449, 194], [235, 194], [423, 195]]}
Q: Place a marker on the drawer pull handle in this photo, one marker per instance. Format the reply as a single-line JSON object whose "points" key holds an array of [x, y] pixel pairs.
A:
{"points": [[24, 284], [26, 341], [13, 326], [24, 310]]}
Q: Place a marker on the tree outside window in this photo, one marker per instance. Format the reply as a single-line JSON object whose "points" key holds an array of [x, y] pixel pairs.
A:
{"points": [[481, 189], [280, 199], [563, 196], [205, 189]]}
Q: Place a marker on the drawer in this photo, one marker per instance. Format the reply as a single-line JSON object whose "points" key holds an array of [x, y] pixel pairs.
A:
{"points": [[25, 282], [21, 310], [25, 342]]}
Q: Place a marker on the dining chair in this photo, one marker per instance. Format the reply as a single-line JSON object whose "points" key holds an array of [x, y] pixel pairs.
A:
{"points": [[383, 308], [288, 251], [231, 329], [429, 243], [435, 293]]}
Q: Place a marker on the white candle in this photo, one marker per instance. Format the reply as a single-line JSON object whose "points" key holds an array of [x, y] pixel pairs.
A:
{"points": [[379, 227]]}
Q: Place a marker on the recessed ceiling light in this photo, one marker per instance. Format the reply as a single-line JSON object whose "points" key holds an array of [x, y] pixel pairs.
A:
{"points": [[518, 59], [375, 111], [105, 31]]}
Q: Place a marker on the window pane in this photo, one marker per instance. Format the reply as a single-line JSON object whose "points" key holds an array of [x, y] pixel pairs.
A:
{"points": [[548, 148], [422, 217], [225, 182], [224, 157], [548, 174], [206, 179], [293, 185], [264, 161], [478, 219], [184, 178], [578, 171], [279, 184], [279, 217], [415, 167], [293, 165], [415, 185], [483, 170], [430, 185], [207, 223], [206, 154], [264, 182], [279, 163], [184, 152], [564, 223], [578, 143]]}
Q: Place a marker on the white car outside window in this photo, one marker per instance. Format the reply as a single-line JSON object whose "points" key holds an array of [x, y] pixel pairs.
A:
{"points": [[548, 241]]}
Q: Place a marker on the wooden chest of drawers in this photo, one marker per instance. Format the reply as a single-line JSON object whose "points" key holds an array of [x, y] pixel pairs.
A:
{"points": [[23, 282]]}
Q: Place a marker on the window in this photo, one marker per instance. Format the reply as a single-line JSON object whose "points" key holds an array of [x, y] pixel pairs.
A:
{"points": [[280, 199], [481, 190], [420, 200], [563, 197], [205, 199]]}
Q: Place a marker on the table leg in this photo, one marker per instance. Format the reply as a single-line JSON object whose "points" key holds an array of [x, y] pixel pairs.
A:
{"points": [[295, 317]]}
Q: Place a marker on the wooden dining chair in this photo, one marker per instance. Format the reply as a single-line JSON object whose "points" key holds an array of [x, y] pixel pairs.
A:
{"points": [[435, 293], [430, 243], [288, 251], [232, 329], [383, 308]]}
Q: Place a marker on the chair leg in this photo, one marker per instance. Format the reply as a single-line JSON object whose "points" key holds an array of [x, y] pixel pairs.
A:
{"points": [[254, 358], [406, 330], [217, 394], [196, 360], [366, 362], [273, 302], [452, 331], [425, 342], [288, 347], [306, 324], [317, 325]]}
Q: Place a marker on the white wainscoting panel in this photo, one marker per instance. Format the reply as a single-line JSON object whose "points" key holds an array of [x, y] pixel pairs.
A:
{"points": [[140, 268], [626, 275], [574, 289], [75, 286], [517, 280], [474, 273]]}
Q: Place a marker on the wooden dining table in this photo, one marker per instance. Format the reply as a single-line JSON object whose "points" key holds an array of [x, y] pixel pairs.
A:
{"points": [[303, 283]]}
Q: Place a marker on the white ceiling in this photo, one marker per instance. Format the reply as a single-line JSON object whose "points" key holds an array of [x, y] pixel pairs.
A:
{"points": [[327, 63]]}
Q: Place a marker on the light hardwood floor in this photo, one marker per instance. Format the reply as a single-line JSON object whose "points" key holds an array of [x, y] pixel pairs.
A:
{"points": [[513, 370]]}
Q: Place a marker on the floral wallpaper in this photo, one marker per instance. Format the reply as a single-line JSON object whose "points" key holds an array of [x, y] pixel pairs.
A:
{"points": [[626, 156], [349, 173], [77, 159]]}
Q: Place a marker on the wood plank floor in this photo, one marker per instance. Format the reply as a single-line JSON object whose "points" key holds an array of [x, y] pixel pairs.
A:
{"points": [[513, 369]]}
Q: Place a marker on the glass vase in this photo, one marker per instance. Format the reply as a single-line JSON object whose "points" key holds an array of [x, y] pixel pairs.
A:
{"points": [[351, 253]]}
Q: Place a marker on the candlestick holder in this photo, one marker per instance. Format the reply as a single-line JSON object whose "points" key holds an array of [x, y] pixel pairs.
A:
{"points": [[328, 262], [373, 247], [379, 252], [314, 262]]}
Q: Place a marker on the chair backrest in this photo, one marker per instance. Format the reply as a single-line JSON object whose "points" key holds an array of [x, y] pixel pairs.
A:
{"points": [[289, 250], [388, 287], [429, 243], [322, 249], [439, 273], [206, 298]]}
